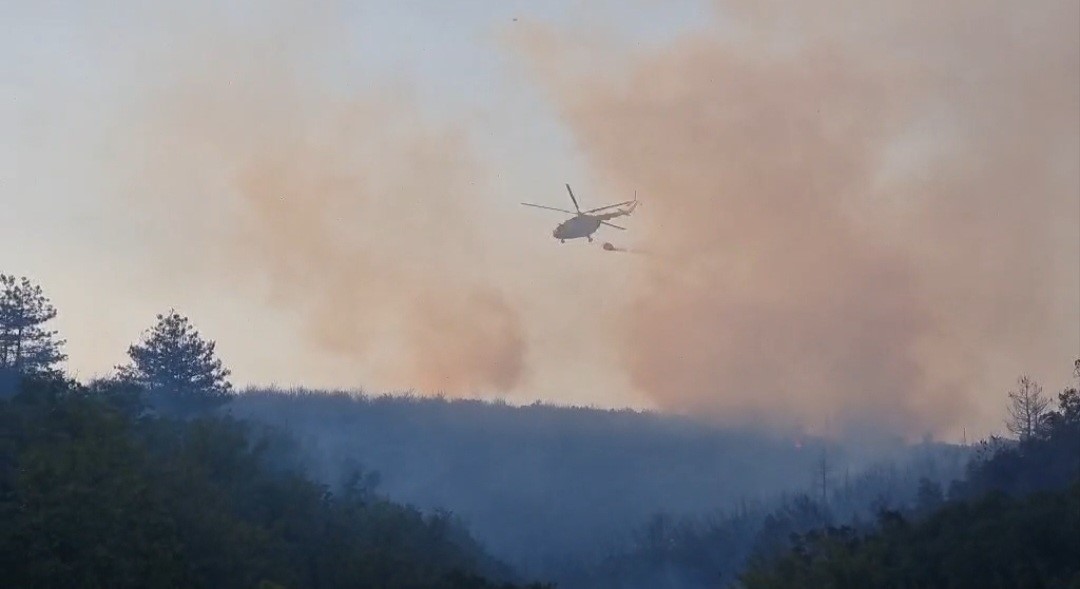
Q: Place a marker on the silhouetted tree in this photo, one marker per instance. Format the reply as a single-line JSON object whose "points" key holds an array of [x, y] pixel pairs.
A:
{"points": [[1069, 406], [1027, 409], [26, 347], [177, 366], [824, 469]]}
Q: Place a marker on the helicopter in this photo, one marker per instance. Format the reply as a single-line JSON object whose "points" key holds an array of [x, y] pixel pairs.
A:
{"points": [[585, 223]]}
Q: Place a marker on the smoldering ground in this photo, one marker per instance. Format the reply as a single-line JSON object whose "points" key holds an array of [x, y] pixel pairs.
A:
{"points": [[869, 211]]}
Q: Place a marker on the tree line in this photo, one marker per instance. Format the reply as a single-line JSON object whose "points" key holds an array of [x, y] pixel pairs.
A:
{"points": [[1008, 516], [134, 481], [176, 367]]}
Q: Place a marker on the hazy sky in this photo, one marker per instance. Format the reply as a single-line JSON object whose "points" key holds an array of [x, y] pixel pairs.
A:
{"points": [[874, 215]]}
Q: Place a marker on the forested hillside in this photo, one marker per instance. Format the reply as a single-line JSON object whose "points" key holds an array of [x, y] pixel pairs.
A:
{"points": [[96, 492], [994, 542], [1012, 523], [548, 487]]}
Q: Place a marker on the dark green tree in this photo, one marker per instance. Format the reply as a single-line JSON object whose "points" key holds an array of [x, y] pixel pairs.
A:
{"points": [[26, 347], [177, 367], [93, 496]]}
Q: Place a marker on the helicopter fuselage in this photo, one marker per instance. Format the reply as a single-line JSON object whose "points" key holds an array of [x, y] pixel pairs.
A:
{"points": [[584, 224], [577, 227]]}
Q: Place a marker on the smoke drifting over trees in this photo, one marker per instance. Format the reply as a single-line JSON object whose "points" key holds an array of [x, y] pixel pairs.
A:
{"points": [[862, 219], [590, 498], [863, 207], [558, 490]]}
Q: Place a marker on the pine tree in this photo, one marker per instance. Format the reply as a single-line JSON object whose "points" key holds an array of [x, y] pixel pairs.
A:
{"points": [[26, 347], [177, 366]]}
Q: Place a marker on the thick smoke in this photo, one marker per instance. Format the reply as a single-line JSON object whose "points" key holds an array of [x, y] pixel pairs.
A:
{"points": [[345, 205], [854, 212], [859, 209]]}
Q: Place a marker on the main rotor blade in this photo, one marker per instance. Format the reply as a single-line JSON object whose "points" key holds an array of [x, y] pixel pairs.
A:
{"points": [[576, 207], [529, 204], [612, 225], [608, 206]]}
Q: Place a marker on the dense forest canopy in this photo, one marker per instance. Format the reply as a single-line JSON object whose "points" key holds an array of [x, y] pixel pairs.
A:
{"points": [[95, 493]]}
